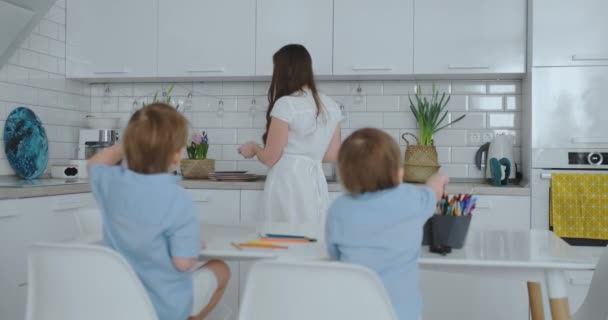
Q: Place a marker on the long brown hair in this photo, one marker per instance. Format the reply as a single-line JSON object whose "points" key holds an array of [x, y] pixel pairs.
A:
{"points": [[292, 72]]}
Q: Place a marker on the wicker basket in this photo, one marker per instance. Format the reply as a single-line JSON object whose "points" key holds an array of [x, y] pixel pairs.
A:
{"points": [[421, 162], [197, 169]]}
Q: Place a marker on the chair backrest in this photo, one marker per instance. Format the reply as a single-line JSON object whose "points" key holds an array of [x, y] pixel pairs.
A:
{"points": [[278, 290], [75, 282], [595, 305]]}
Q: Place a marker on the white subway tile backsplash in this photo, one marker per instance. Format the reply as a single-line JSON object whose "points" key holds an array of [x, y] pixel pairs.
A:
{"points": [[383, 103], [48, 63], [503, 120], [49, 29], [471, 120], [454, 170], [56, 14], [365, 119], [17, 74], [444, 154], [261, 89], [28, 59], [485, 103], [475, 172], [109, 104], [225, 165], [141, 89], [259, 120], [368, 88], [231, 152], [208, 88], [399, 87], [463, 155], [221, 136], [254, 167], [38, 43], [246, 135], [351, 103], [399, 120], [237, 89], [512, 103], [57, 48], [246, 104], [61, 33], [206, 120], [236, 120], [333, 87], [126, 104], [504, 87], [450, 138], [440, 86], [458, 103], [468, 87]]}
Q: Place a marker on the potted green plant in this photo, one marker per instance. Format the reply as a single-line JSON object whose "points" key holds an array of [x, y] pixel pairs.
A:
{"points": [[421, 160], [197, 166], [165, 98]]}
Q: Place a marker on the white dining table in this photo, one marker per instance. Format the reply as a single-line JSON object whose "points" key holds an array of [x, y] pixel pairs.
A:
{"points": [[534, 256]]}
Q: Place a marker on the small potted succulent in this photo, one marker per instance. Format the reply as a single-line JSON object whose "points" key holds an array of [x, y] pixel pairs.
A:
{"points": [[197, 166], [421, 160]]}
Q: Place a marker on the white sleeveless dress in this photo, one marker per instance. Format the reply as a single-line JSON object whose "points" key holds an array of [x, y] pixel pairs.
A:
{"points": [[296, 190]]}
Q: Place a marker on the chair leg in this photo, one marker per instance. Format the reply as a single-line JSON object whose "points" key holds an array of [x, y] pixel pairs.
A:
{"points": [[560, 309], [535, 298]]}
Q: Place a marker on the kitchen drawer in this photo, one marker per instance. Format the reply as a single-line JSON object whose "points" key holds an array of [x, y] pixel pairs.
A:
{"points": [[217, 206], [502, 213]]}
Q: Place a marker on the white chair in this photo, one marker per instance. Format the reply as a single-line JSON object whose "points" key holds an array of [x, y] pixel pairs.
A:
{"points": [[279, 290], [595, 305], [76, 281]]}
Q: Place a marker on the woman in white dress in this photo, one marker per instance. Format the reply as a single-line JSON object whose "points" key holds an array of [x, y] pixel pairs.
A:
{"points": [[302, 131]]}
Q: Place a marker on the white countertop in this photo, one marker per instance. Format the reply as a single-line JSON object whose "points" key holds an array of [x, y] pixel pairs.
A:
{"points": [[14, 188]]}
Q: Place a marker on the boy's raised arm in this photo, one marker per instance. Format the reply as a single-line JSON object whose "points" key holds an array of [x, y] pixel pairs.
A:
{"points": [[109, 156]]}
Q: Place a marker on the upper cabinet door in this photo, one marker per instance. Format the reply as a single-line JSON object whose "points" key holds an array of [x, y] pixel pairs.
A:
{"points": [[111, 38], [469, 36], [373, 37], [281, 22], [202, 38], [569, 33]]}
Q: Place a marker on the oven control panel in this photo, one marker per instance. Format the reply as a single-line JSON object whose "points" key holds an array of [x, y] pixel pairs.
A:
{"points": [[588, 158]]}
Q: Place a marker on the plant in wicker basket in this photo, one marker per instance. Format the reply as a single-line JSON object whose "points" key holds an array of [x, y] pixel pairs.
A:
{"points": [[421, 159], [197, 166]]}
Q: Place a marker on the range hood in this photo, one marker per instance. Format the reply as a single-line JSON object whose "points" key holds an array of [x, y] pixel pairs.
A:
{"points": [[17, 19]]}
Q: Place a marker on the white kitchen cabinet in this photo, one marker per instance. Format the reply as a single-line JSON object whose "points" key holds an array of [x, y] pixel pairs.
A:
{"points": [[250, 207], [484, 297], [13, 276], [569, 33], [281, 22], [217, 206], [206, 38], [470, 36], [111, 39], [501, 213], [373, 37]]}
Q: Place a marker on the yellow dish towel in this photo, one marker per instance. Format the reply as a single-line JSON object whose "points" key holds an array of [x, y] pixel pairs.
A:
{"points": [[579, 205]]}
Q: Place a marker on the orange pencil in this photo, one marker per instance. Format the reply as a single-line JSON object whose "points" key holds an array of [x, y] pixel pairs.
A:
{"points": [[262, 245], [287, 240]]}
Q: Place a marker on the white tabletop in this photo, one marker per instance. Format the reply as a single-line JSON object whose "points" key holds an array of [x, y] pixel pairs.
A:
{"points": [[512, 249]]}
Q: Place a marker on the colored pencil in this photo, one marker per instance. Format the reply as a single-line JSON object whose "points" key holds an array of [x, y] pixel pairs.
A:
{"points": [[286, 240], [262, 245]]}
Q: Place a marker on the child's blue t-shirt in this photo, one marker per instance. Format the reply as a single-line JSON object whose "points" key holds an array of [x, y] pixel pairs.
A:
{"points": [[383, 231], [150, 218]]}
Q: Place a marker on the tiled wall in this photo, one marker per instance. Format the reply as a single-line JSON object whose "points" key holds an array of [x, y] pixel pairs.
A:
{"points": [[491, 107], [35, 78]]}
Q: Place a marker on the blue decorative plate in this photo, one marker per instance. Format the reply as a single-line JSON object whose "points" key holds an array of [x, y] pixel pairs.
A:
{"points": [[25, 143]]}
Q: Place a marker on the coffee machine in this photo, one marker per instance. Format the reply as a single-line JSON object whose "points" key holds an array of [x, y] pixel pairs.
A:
{"points": [[92, 141]]}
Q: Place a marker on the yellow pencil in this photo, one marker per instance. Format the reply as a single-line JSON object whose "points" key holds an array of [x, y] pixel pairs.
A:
{"points": [[236, 245]]}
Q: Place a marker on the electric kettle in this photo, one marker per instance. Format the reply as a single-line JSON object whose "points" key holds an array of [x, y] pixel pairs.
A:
{"points": [[501, 149]]}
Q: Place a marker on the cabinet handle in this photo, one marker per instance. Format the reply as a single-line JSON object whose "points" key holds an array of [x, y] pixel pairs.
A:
{"points": [[372, 68], [590, 140], [111, 72], [588, 57], [467, 67], [545, 176], [8, 213], [201, 199], [22, 284], [218, 69], [68, 206]]}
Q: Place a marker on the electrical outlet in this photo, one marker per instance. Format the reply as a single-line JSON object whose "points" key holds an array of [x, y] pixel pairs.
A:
{"points": [[475, 137], [487, 137]]}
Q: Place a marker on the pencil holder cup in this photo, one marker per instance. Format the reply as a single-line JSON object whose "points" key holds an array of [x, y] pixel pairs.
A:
{"points": [[446, 231]]}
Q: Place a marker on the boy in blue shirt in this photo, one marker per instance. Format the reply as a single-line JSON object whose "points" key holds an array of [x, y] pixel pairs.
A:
{"points": [[151, 220], [378, 223]]}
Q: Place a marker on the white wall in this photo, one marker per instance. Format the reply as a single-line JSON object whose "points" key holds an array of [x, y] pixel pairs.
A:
{"points": [[35, 78], [491, 107]]}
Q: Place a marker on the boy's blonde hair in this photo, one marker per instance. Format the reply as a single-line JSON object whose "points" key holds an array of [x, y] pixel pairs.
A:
{"points": [[369, 160], [154, 134]]}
